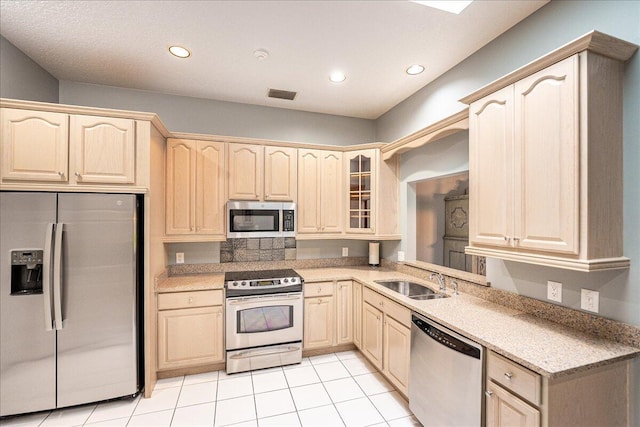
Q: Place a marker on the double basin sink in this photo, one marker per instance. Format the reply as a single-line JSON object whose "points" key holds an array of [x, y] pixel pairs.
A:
{"points": [[411, 289]]}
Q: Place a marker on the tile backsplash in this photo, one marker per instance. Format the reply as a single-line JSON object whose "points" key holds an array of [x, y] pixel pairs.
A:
{"points": [[261, 249]]}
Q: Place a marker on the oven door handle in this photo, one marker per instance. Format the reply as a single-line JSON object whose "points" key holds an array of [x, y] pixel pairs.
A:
{"points": [[264, 352], [270, 299]]}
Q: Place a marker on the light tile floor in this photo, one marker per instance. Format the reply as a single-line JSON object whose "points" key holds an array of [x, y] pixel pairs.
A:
{"points": [[338, 389]]}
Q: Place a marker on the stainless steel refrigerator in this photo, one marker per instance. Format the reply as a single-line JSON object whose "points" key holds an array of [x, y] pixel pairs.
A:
{"points": [[68, 306]]}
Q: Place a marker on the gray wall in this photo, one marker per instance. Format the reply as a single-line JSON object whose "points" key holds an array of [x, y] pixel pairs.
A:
{"points": [[22, 78], [198, 115]]}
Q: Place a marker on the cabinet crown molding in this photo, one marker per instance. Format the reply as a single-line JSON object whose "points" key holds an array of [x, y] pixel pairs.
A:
{"points": [[594, 41]]}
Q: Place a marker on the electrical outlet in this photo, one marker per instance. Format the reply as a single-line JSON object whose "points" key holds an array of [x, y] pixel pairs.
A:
{"points": [[589, 300], [554, 291], [345, 251], [400, 256], [179, 257]]}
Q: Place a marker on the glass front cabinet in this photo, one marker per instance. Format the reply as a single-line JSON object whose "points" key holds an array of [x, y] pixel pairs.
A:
{"points": [[361, 167]]}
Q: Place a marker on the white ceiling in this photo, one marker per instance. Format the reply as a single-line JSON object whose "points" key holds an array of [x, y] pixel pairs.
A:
{"points": [[124, 43]]}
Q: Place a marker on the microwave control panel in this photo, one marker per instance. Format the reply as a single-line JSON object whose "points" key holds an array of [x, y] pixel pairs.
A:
{"points": [[288, 220]]}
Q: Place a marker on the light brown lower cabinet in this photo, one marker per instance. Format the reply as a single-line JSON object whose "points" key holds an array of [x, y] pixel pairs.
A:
{"points": [[318, 322], [506, 409], [386, 337], [357, 314], [319, 315], [190, 329], [372, 330], [517, 396]]}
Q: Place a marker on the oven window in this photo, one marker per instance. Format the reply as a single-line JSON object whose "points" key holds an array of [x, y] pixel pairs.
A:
{"points": [[254, 220], [265, 319]]}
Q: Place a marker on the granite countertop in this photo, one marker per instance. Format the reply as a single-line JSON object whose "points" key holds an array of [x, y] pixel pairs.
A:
{"points": [[550, 349]]}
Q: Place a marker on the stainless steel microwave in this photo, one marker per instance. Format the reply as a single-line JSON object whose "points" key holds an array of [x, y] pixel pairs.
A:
{"points": [[261, 219]]}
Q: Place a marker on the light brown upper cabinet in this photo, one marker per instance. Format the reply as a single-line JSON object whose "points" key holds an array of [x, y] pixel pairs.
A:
{"points": [[195, 187], [75, 149], [259, 172], [371, 194], [35, 145], [320, 192], [104, 150], [545, 166]]}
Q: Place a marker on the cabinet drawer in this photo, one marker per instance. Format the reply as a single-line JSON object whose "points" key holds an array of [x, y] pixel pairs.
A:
{"points": [[514, 377], [189, 299], [318, 289], [373, 298], [389, 307]]}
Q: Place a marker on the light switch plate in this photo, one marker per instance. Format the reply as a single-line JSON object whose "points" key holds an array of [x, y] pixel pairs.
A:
{"points": [[590, 300], [179, 257], [400, 256], [345, 251], [554, 291]]}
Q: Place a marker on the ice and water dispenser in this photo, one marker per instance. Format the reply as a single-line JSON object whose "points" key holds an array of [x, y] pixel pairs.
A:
{"points": [[26, 271]]}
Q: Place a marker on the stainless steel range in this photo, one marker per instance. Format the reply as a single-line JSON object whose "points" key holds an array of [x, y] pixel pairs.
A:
{"points": [[263, 319]]}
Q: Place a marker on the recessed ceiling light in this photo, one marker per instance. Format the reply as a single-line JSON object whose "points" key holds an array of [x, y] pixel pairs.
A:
{"points": [[179, 51], [415, 69], [452, 6], [337, 77], [261, 54]]}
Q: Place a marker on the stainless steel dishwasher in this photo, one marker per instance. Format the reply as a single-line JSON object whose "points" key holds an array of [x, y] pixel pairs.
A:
{"points": [[446, 374]]}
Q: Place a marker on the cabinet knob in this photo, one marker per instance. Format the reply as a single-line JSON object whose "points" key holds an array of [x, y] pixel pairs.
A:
{"points": [[508, 376], [190, 300], [319, 290], [507, 238], [61, 174], [516, 239], [77, 174], [191, 228], [319, 301], [381, 303], [489, 393]]}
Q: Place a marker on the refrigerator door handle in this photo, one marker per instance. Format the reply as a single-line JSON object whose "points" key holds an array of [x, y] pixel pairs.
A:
{"points": [[46, 278], [57, 277]]}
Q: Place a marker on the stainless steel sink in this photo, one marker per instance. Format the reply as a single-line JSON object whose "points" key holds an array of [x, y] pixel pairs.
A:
{"points": [[411, 289]]}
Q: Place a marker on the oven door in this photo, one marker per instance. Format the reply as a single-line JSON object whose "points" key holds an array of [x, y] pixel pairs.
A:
{"points": [[263, 320]]}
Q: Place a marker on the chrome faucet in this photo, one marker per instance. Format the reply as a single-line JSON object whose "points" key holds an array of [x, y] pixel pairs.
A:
{"points": [[441, 281]]}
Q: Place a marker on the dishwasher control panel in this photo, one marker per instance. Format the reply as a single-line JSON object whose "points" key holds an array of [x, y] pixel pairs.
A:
{"points": [[445, 338]]}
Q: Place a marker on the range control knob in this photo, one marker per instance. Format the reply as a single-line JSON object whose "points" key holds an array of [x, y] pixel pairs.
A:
{"points": [[286, 280], [244, 283]]}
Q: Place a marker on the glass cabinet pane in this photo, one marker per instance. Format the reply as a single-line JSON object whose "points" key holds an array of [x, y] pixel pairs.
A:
{"points": [[360, 187]]}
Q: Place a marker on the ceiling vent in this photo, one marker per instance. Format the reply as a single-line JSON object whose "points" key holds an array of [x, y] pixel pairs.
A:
{"points": [[282, 94]]}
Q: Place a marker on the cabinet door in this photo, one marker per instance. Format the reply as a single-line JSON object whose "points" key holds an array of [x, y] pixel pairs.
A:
{"points": [[547, 214], [309, 191], [372, 329], [180, 187], [505, 409], [104, 150], [357, 314], [397, 347], [318, 322], [331, 192], [361, 176], [34, 145], [189, 337], [210, 188], [280, 173], [245, 171], [491, 169], [344, 312]]}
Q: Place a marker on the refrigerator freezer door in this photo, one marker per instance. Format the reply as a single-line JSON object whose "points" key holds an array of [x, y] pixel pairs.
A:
{"points": [[97, 341], [27, 350]]}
